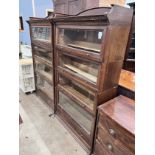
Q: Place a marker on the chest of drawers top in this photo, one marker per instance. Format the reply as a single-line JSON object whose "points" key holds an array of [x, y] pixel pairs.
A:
{"points": [[122, 111]]}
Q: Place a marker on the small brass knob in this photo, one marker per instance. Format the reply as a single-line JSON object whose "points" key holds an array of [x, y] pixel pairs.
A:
{"points": [[112, 132], [110, 148]]}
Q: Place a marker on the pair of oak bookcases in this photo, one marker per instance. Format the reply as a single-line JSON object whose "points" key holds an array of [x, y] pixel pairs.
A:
{"points": [[77, 63]]}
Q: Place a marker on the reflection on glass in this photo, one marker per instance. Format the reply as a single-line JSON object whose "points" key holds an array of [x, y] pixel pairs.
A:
{"points": [[83, 68], [89, 40], [78, 114], [41, 33], [44, 71], [44, 86], [83, 94], [47, 55]]}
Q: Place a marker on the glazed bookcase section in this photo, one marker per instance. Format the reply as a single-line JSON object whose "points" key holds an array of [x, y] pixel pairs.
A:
{"points": [[82, 68], [81, 38], [44, 71], [41, 52], [89, 49], [41, 33], [78, 114], [44, 86], [83, 96], [43, 56]]}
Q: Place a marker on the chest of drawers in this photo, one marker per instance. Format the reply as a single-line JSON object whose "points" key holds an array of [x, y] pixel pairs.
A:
{"points": [[115, 128]]}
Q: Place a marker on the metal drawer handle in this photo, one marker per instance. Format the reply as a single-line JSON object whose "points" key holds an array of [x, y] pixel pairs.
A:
{"points": [[110, 148], [112, 132]]}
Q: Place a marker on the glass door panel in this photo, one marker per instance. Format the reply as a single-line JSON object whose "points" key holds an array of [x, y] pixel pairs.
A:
{"points": [[44, 86], [81, 93], [41, 33], [44, 71], [78, 114], [47, 55], [85, 39], [84, 69]]}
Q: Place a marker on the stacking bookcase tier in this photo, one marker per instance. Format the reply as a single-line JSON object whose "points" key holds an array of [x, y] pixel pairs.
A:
{"points": [[43, 52], [75, 111], [84, 37], [42, 44], [41, 31], [83, 41], [44, 86], [41, 34], [79, 93], [84, 69], [77, 118]]}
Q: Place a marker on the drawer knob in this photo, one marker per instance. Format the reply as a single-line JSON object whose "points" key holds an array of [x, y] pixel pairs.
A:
{"points": [[112, 132], [110, 148]]}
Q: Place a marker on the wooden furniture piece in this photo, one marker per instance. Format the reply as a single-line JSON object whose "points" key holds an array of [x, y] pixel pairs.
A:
{"points": [[127, 84], [73, 7], [129, 61], [41, 33], [42, 52], [115, 129], [89, 52]]}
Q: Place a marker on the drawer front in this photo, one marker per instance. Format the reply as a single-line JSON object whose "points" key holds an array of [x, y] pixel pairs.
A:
{"points": [[112, 145], [99, 150], [117, 132]]}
